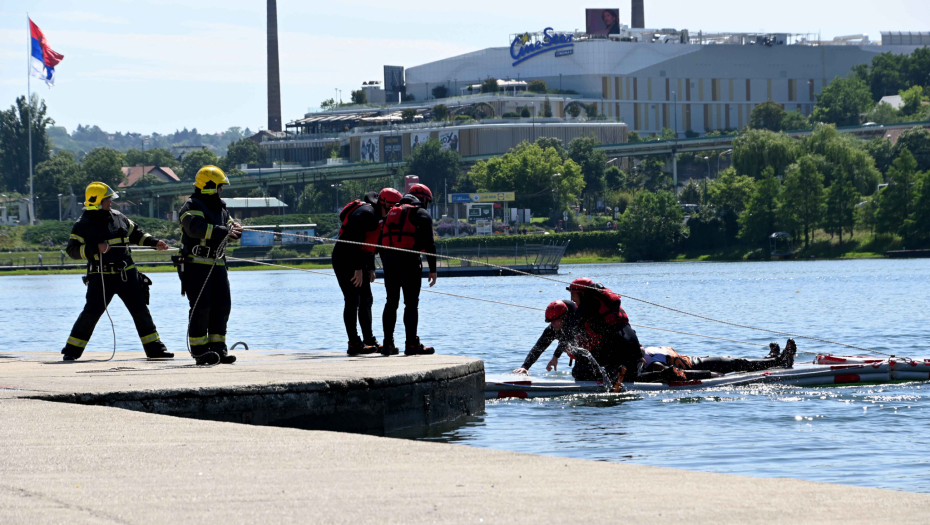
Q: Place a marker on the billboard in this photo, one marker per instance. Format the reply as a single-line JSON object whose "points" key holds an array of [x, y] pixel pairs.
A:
{"points": [[418, 138], [393, 83], [602, 21], [393, 150], [369, 149], [503, 196], [449, 140]]}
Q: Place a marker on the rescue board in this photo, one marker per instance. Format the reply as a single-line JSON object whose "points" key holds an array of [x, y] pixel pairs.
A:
{"points": [[827, 370]]}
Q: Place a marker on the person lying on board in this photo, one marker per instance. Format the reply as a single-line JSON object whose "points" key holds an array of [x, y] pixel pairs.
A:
{"points": [[562, 326], [662, 364]]}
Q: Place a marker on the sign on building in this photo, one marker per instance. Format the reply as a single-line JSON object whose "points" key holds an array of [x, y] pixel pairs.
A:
{"points": [[483, 227], [393, 150], [478, 212], [417, 139], [504, 196], [449, 140], [369, 149]]}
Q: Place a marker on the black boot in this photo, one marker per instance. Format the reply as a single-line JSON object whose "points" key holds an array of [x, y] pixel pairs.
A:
{"points": [[371, 345], [225, 358], [157, 350], [206, 358], [787, 357], [774, 351], [388, 348], [71, 353], [418, 349], [356, 346]]}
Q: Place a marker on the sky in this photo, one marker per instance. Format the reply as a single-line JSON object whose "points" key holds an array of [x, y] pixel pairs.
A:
{"points": [[162, 65]]}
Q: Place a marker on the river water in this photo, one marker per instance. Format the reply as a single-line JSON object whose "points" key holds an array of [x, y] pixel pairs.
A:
{"points": [[873, 436]]}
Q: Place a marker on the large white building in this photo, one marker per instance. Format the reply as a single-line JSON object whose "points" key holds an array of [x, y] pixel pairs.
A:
{"points": [[653, 79]]}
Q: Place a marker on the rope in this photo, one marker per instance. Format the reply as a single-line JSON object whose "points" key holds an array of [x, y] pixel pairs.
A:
{"points": [[519, 272], [216, 256]]}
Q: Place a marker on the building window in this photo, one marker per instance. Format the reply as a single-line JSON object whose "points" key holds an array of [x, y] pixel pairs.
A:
{"points": [[730, 90], [688, 89], [715, 89], [810, 84], [748, 90], [792, 89]]}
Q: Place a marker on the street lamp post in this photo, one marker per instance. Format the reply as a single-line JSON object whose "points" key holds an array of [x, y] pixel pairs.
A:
{"points": [[337, 186], [704, 196], [59, 207], [718, 159], [158, 206]]}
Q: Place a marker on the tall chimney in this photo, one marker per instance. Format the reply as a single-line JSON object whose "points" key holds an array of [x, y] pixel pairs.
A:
{"points": [[274, 74], [638, 19]]}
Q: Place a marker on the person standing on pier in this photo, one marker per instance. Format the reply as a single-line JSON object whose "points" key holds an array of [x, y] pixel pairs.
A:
{"points": [[102, 237], [407, 226], [205, 226], [354, 264]]}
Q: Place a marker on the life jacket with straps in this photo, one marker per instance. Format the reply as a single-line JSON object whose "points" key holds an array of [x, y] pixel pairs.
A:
{"points": [[371, 237], [608, 310], [398, 230]]}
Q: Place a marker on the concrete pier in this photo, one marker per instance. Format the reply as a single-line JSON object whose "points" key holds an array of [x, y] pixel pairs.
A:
{"points": [[91, 462]]}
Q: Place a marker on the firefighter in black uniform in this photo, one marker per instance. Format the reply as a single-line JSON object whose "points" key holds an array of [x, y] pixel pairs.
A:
{"points": [[409, 226], [102, 237], [354, 264], [205, 225]]}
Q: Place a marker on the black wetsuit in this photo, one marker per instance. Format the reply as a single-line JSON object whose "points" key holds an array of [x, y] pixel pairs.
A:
{"points": [[566, 337], [120, 277], [347, 259], [204, 225], [655, 371], [404, 271], [617, 346]]}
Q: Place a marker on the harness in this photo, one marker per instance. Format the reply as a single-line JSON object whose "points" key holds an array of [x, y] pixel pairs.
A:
{"points": [[111, 268], [398, 231], [371, 237], [608, 310]]}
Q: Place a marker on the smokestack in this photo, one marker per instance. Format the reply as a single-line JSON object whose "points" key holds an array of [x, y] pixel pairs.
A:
{"points": [[274, 74], [638, 19]]}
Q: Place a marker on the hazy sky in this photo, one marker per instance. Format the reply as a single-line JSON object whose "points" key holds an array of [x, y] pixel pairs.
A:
{"points": [[161, 65]]}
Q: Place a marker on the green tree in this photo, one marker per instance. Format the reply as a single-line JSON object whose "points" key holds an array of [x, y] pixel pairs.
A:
{"points": [[591, 110], [359, 97], [917, 141], [632, 137], [546, 108], [408, 115], [767, 115], [53, 177], [104, 165], [880, 150], [489, 85], [593, 161], [894, 202], [730, 191], [795, 120], [842, 101], [651, 226], [525, 112], [440, 92], [654, 176], [435, 166], [245, 151], [14, 142], [329, 103], [883, 113], [614, 177], [551, 142], [758, 149], [841, 151], [840, 210], [885, 77], [151, 157], [919, 219], [803, 195], [537, 86], [440, 112], [667, 134], [865, 215], [193, 161], [911, 98], [690, 193], [760, 218]]}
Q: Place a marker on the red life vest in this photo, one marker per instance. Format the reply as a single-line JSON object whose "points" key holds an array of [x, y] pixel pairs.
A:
{"points": [[371, 237], [397, 230], [609, 310]]}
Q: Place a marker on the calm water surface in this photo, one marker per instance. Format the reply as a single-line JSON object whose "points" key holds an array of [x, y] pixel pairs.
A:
{"points": [[871, 436]]}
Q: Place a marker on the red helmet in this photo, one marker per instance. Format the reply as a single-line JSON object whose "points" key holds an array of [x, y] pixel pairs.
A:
{"points": [[422, 193], [581, 284], [390, 196], [555, 310]]}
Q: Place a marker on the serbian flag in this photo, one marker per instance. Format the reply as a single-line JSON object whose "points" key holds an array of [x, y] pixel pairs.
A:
{"points": [[43, 59]]}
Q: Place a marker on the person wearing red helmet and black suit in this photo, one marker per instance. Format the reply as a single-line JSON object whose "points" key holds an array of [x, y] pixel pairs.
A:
{"points": [[354, 264], [604, 330], [561, 316], [407, 226]]}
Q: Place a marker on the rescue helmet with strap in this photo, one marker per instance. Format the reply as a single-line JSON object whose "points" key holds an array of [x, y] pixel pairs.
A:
{"points": [[421, 192], [555, 310], [371, 237], [398, 230], [581, 284], [209, 178], [96, 193], [390, 196]]}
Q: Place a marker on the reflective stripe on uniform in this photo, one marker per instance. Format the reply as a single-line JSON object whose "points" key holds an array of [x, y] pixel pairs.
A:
{"points": [[205, 260], [194, 213], [209, 231], [151, 338], [144, 237], [77, 238], [116, 241], [116, 272], [83, 255], [198, 340], [132, 226], [74, 341], [217, 338]]}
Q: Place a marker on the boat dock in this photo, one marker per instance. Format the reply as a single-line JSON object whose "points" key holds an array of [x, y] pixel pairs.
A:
{"points": [[100, 443]]}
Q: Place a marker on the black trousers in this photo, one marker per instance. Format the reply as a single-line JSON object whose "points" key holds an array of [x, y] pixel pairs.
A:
{"points": [[725, 364], [402, 273], [620, 349], [208, 321], [129, 291], [357, 301]]}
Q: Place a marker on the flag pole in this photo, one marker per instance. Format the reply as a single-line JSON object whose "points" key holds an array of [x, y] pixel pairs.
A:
{"points": [[32, 214]]}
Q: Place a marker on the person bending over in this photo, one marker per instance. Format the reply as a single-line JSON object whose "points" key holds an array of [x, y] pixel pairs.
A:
{"points": [[561, 318]]}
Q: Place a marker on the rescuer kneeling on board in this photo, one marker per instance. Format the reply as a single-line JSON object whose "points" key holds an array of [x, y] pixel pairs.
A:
{"points": [[102, 237], [354, 264], [408, 226], [561, 316], [205, 224], [604, 330], [664, 364]]}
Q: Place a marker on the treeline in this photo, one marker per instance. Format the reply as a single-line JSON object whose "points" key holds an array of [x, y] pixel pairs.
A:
{"points": [[85, 138]]}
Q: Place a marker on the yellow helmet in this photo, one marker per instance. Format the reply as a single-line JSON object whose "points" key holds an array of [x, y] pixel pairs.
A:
{"points": [[208, 178], [95, 193]]}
